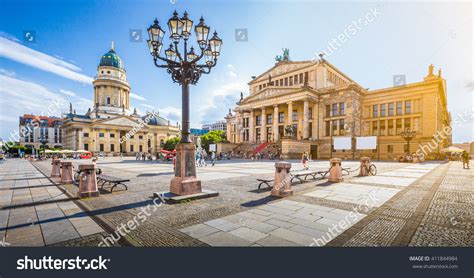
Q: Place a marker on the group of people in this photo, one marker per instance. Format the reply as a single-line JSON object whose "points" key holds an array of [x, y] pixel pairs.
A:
{"points": [[201, 158], [144, 156]]}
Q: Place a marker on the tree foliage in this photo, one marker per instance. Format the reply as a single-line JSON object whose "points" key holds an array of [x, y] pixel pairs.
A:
{"points": [[171, 143], [212, 137]]}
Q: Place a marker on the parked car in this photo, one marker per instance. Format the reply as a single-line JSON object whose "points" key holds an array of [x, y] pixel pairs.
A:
{"points": [[87, 155]]}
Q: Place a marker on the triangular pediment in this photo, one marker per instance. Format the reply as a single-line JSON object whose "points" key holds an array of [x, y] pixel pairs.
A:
{"points": [[121, 121], [282, 68], [271, 92]]}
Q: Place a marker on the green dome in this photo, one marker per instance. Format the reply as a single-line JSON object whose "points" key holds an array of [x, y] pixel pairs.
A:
{"points": [[111, 59]]}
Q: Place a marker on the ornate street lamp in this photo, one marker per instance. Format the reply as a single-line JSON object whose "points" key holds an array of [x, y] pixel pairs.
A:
{"points": [[184, 69], [408, 135]]}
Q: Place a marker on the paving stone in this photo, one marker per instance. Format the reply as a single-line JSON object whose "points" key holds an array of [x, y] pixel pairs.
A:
{"points": [[292, 236], [224, 239], [310, 224], [279, 223], [258, 225], [274, 241], [314, 233], [248, 234], [249, 214], [199, 230]]}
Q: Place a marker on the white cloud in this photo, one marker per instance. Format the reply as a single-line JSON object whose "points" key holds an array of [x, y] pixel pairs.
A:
{"points": [[231, 71], [15, 51], [68, 93], [7, 72], [135, 96], [171, 113], [149, 106]]}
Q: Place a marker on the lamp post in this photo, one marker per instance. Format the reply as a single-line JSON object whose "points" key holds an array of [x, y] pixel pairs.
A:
{"points": [[184, 69], [408, 135]]}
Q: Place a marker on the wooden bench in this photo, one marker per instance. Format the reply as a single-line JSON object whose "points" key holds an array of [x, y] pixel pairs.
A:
{"points": [[115, 181], [266, 182]]}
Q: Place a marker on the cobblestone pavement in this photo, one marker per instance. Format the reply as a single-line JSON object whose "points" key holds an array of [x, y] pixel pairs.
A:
{"points": [[34, 212], [234, 180], [377, 211]]}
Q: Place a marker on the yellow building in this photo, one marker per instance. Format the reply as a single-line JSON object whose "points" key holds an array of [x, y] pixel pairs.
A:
{"points": [[320, 103], [109, 126]]}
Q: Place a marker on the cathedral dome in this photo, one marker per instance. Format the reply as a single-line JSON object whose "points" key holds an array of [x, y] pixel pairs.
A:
{"points": [[111, 59], [155, 120]]}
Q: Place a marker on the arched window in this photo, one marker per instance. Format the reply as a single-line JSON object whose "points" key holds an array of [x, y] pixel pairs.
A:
{"points": [[108, 100]]}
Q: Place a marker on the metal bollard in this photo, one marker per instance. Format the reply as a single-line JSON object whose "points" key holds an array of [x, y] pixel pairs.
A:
{"points": [[282, 183], [364, 166], [56, 169], [88, 181], [335, 173], [66, 172]]}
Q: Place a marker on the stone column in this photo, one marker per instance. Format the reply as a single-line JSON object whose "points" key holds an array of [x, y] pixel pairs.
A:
{"points": [[275, 123], [251, 126], [315, 121], [290, 114], [263, 133], [306, 119]]}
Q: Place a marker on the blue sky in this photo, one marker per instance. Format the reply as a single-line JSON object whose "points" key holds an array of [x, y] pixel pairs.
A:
{"points": [[71, 36]]}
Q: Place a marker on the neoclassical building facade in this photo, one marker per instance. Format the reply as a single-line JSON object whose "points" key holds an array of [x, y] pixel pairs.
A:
{"points": [[110, 126], [320, 103]]}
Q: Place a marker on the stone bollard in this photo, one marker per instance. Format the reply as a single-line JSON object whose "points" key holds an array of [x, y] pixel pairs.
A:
{"points": [[88, 181], [335, 173], [364, 166], [282, 183], [56, 170], [66, 172]]}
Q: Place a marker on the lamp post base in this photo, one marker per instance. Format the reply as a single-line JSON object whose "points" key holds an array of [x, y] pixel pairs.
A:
{"points": [[185, 181]]}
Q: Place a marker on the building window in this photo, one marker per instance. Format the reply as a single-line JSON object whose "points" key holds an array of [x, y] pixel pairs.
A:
{"points": [[301, 78], [269, 134], [140, 136], [341, 109], [286, 81], [269, 118], [257, 134], [375, 111], [108, 100], [131, 148], [258, 120], [408, 107], [374, 128], [140, 148], [334, 127], [399, 126], [295, 116], [112, 147], [281, 117], [390, 109], [101, 147], [132, 136], [85, 134], [382, 128], [112, 135], [399, 108], [328, 128], [101, 134], [328, 111], [86, 147], [383, 110], [334, 110], [390, 127], [408, 123], [389, 148], [342, 131]]}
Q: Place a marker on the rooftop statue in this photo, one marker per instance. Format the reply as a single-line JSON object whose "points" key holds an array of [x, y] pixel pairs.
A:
{"points": [[285, 57]]}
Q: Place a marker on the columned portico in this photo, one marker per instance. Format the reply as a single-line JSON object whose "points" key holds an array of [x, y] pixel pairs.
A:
{"points": [[290, 113], [263, 124], [305, 119], [275, 123], [252, 126]]}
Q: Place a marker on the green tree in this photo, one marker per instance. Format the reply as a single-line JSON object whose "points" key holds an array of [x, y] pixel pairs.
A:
{"points": [[212, 137], [171, 143]]}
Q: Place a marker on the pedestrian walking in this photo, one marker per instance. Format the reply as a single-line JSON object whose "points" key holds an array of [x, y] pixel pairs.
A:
{"points": [[465, 160], [304, 160], [213, 157]]}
